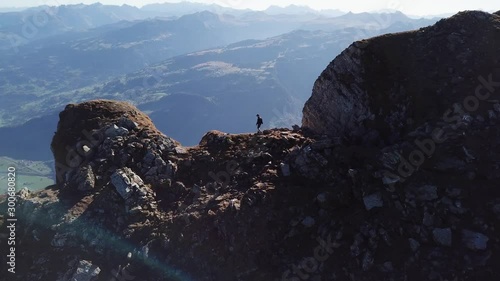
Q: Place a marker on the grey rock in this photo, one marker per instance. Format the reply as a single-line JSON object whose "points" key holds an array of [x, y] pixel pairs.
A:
{"points": [[368, 260], [496, 209], [24, 193], [355, 247], [127, 123], [305, 166], [307, 162], [474, 240], [86, 149], [86, 271], [167, 144], [387, 267], [115, 131], [442, 236], [468, 154], [454, 192], [428, 219], [85, 179], [171, 169], [390, 159], [467, 118], [285, 169], [149, 158], [180, 150], [492, 115], [392, 179], [179, 187], [322, 144], [319, 158], [373, 200], [426, 193], [151, 172], [59, 240], [496, 106], [265, 156], [126, 181], [322, 198], [325, 200], [159, 162], [308, 222], [414, 244]]}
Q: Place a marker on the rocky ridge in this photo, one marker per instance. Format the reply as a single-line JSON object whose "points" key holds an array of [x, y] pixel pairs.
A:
{"points": [[353, 195]]}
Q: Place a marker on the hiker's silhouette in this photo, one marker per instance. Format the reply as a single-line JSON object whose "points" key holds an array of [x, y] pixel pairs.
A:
{"points": [[259, 122]]}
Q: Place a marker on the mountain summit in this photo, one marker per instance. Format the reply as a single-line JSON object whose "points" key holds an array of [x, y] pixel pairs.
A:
{"points": [[393, 176]]}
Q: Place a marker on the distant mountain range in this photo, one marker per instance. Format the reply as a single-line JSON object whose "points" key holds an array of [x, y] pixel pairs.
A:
{"points": [[18, 28], [22, 27]]}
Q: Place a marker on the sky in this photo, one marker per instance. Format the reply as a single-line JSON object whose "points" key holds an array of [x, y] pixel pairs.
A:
{"points": [[411, 7]]}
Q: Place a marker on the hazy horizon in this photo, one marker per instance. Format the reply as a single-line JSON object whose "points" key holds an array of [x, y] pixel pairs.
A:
{"points": [[422, 8]]}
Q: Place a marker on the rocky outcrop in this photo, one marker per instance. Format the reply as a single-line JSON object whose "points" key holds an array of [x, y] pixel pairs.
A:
{"points": [[382, 88], [99, 136], [420, 202]]}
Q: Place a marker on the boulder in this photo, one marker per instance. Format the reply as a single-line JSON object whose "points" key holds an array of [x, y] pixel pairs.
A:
{"points": [[86, 271], [373, 200], [126, 181], [474, 240], [442, 236], [115, 131]]}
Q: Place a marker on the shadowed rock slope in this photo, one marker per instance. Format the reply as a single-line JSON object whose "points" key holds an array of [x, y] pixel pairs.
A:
{"points": [[344, 198], [384, 87]]}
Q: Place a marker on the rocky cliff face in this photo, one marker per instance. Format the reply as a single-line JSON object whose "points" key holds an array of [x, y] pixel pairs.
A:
{"points": [[379, 186], [380, 89]]}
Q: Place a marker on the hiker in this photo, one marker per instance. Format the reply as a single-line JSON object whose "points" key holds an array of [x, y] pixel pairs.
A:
{"points": [[259, 122]]}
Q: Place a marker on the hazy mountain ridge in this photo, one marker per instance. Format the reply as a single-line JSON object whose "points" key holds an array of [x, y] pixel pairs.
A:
{"points": [[20, 28]]}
